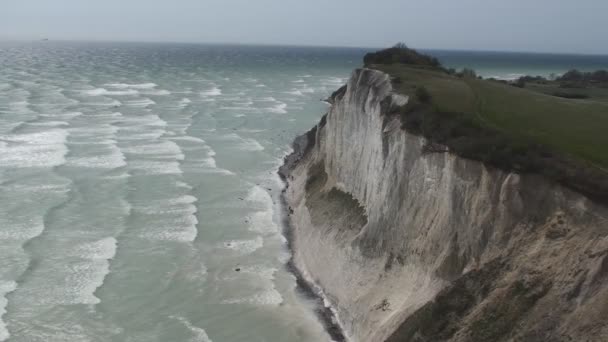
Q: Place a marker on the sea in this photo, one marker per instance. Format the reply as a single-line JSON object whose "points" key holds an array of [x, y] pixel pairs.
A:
{"points": [[139, 196]]}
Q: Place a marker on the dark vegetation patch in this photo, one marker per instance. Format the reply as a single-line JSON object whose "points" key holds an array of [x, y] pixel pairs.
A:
{"points": [[439, 319], [474, 306], [400, 54], [570, 95]]}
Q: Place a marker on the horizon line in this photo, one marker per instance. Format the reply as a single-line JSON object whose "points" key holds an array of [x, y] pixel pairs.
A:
{"points": [[48, 39]]}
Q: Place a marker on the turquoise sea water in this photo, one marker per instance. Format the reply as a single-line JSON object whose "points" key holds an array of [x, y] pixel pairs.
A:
{"points": [[139, 193]]}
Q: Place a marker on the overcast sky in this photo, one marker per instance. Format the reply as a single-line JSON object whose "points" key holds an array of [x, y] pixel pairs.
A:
{"points": [[512, 25]]}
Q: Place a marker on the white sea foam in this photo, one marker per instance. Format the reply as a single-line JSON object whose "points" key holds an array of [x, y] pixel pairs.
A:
{"points": [[269, 296], [179, 205], [251, 145], [83, 280], [6, 287], [93, 131], [145, 102], [108, 103], [268, 99], [49, 124], [156, 92], [183, 185], [137, 122], [295, 92], [189, 139], [215, 91], [131, 86], [198, 334], [184, 102], [180, 229], [244, 144], [245, 246], [262, 220], [103, 249], [280, 108], [41, 149], [155, 167], [87, 276], [162, 149], [112, 160], [23, 230], [106, 92], [298, 81], [63, 116], [135, 134]]}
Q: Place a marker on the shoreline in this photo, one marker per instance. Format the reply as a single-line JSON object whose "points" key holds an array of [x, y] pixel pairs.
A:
{"points": [[308, 289]]}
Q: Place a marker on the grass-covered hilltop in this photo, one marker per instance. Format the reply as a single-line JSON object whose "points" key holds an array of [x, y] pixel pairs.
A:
{"points": [[555, 127]]}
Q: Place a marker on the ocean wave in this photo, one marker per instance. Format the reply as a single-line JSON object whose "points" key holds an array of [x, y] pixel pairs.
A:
{"points": [[180, 229], [268, 99], [215, 91], [294, 92], [86, 276], [156, 92], [261, 221], [107, 103], [63, 116], [113, 160], [145, 102], [103, 249], [49, 123], [131, 86], [244, 246], [280, 108], [155, 167], [136, 134], [23, 230], [189, 139], [42, 149], [161, 149], [183, 205], [106, 92], [6, 287], [93, 132], [184, 102], [244, 144], [269, 296], [199, 334]]}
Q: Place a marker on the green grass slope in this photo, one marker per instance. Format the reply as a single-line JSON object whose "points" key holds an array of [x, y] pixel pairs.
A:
{"points": [[512, 128]]}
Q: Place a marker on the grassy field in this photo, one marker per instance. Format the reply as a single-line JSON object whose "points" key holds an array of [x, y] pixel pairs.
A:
{"points": [[576, 128], [592, 93]]}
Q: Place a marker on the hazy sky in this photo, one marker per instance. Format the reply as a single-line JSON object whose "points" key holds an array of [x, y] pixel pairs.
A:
{"points": [[522, 25]]}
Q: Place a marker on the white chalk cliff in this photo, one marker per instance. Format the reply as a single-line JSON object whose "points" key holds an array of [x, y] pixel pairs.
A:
{"points": [[415, 244]]}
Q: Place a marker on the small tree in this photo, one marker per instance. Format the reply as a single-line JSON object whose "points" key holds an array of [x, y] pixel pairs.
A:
{"points": [[401, 45], [423, 95]]}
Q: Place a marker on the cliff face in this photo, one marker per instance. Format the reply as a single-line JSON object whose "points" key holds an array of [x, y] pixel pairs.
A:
{"points": [[408, 243]]}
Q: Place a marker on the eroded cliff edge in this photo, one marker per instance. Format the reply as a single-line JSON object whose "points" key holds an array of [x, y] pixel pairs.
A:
{"points": [[409, 243]]}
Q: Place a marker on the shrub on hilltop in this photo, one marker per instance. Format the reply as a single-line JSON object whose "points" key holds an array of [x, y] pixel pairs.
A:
{"points": [[400, 54], [578, 79]]}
